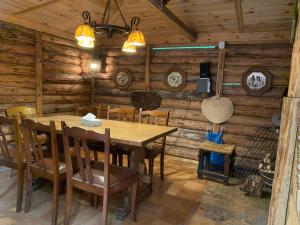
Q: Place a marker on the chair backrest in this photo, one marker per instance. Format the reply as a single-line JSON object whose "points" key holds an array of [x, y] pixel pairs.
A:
{"points": [[155, 117], [122, 114], [80, 138], [23, 110], [8, 134], [82, 110], [33, 146]]}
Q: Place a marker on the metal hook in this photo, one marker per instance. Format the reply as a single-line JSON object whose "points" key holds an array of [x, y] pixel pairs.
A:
{"points": [[135, 21], [86, 17]]}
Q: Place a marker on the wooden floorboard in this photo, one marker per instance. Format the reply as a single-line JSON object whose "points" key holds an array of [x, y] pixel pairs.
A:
{"points": [[181, 199]]}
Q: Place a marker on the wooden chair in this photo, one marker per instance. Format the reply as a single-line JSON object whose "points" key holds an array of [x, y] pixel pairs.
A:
{"points": [[156, 148], [23, 110], [99, 178], [121, 114], [83, 110], [39, 165], [11, 153]]}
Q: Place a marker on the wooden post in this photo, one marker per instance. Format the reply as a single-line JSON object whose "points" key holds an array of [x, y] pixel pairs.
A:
{"points": [[220, 72], [147, 68], [239, 15], [281, 207], [284, 162], [93, 91], [39, 73]]}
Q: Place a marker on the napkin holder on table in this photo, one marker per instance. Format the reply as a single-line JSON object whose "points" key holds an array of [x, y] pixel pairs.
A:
{"points": [[90, 120]]}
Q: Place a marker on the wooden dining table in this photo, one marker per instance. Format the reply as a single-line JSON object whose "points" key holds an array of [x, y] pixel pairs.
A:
{"points": [[135, 135]]}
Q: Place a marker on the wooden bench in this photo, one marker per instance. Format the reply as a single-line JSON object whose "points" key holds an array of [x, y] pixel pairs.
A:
{"points": [[205, 148]]}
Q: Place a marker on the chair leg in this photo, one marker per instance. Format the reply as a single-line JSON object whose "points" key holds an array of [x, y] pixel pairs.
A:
{"points": [[105, 209], [133, 200], [55, 201], [151, 166], [68, 209], [128, 160], [226, 168], [114, 157], [162, 165], [120, 156], [20, 174], [28, 191]]}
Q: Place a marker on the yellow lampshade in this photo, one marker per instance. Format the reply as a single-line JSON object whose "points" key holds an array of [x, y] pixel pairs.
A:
{"points": [[136, 38], [128, 48], [85, 36], [86, 43]]}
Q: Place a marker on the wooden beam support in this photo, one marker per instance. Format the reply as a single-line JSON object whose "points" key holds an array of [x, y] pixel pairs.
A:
{"points": [[281, 208], [92, 91], [239, 15], [147, 68], [36, 7], [166, 13], [39, 73], [284, 162], [221, 65]]}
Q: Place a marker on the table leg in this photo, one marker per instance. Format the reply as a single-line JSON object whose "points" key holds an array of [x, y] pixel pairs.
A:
{"points": [[207, 161], [226, 168], [201, 162], [144, 184]]}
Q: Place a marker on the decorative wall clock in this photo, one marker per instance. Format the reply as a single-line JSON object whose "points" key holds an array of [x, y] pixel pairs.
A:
{"points": [[175, 79], [257, 80], [122, 78]]}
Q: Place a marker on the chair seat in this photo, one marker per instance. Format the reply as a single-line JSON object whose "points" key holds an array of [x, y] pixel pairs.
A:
{"points": [[50, 166], [218, 148], [116, 176], [153, 149], [12, 152], [43, 138]]}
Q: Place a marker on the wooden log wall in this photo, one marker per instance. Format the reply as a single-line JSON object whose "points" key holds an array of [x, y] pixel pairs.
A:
{"points": [[61, 70], [249, 113], [17, 66]]}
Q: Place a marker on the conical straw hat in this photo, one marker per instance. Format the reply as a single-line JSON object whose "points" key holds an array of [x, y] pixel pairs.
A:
{"points": [[217, 109]]}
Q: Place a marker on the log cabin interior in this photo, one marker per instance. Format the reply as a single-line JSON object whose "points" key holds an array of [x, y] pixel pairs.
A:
{"points": [[221, 76]]}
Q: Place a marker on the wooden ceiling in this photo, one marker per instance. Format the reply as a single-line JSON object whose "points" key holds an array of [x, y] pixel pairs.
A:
{"points": [[204, 17]]}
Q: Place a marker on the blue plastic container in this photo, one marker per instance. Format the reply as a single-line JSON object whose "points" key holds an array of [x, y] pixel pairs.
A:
{"points": [[216, 159]]}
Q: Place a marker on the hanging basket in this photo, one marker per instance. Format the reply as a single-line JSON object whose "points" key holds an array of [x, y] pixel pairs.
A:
{"points": [[145, 100], [217, 109]]}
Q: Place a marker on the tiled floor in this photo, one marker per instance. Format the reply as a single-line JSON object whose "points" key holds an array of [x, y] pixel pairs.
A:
{"points": [[181, 199]]}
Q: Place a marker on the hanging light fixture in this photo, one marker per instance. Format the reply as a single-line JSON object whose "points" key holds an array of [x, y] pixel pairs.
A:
{"points": [[84, 34], [86, 37], [128, 48], [136, 37]]}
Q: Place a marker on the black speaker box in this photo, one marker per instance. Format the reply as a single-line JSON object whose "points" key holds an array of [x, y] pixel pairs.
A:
{"points": [[205, 70]]}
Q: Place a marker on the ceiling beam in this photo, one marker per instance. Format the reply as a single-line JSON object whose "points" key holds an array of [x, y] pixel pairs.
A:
{"points": [[166, 13], [36, 7], [239, 15], [35, 26]]}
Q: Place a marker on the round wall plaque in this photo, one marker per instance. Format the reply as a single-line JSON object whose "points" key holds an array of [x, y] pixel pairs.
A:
{"points": [[122, 78], [257, 80], [175, 79]]}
